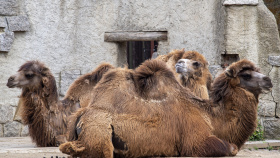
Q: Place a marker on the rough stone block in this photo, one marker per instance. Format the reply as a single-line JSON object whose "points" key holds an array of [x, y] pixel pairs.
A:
{"points": [[9, 7], [267, 108], [12, 129], [274, 60], [271, 128], [18, 23], [278, 110], [241, 2], [6, 113], [68, 77], [6, 41], [3, 22], [24, 131]]}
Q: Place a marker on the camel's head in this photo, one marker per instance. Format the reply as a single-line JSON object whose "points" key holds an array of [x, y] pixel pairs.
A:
{"points": [[244, 74], [32, 74], [189, 68]]}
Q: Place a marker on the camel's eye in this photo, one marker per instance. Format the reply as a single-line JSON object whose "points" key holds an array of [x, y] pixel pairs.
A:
{"points": [[246, 76], [29, 76], [196, 64]]}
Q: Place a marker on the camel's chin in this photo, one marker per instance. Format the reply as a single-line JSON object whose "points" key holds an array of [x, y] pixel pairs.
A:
{"points": [[266, 90], [11, 85]]}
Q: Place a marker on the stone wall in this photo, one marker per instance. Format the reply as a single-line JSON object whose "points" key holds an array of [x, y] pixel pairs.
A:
{"points": [[274, 7], [68, 36], [252, 33]]}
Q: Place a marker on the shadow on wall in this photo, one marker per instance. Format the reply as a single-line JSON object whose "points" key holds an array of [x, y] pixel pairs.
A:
{"points": [[274, 7]]}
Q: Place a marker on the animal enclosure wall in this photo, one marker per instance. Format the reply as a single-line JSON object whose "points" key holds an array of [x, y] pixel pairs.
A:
{"points": [[68, 36]]}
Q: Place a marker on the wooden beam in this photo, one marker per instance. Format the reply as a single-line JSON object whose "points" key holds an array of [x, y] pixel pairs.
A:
{"points": [[135, 36]]}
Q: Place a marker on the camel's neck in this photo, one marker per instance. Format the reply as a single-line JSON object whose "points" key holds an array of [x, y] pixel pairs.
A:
{"points": [[197, 86], [235, 112], [39, 96]]}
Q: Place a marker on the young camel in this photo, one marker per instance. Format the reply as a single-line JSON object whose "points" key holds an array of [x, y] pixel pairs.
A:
{"points": [[199, 80], [41, 110], [234, 96]]}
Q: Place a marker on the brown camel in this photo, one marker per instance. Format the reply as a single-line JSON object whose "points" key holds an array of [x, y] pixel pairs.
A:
{"points": [[41, 110], [234, 94], [141, 113], [199, 80]]}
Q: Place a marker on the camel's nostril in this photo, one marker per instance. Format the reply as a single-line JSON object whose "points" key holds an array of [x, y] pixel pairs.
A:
{"points": [[266, 78], [11, 79]]}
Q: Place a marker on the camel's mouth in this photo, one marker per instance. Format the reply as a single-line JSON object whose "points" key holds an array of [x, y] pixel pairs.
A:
{"points": [[178, 68], [266, 89], [11, 85]]}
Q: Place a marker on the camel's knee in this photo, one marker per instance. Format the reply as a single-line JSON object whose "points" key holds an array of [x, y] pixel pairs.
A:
{"points": [[214, 146], [74, 148]]}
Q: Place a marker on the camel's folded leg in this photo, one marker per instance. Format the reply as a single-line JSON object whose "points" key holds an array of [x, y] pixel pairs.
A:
{"points": [[214, 146], [74, 148]]}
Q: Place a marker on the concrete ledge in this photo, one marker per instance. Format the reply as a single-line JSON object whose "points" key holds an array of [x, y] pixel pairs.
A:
{"points": [[23, 147], [240, 2], [135, 36], [261, 144]]}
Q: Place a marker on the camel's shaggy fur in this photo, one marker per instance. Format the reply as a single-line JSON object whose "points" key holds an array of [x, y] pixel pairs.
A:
{"points": [[140, 113], [41, 110], [199, 82]]}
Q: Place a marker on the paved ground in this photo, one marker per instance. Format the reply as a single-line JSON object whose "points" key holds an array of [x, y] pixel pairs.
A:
{"points": [[22, 147]]}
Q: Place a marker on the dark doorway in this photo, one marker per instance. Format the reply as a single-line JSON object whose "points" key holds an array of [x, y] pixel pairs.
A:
{"points": [[228, 59], [139, 51]]}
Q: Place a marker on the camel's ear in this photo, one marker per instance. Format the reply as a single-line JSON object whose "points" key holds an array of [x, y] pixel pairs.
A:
{"points": [[230, 72], [49, 85], [209, 81]]}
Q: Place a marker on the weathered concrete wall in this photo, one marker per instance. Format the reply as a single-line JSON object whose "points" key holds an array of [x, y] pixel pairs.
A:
{"points": [[68, 36]]}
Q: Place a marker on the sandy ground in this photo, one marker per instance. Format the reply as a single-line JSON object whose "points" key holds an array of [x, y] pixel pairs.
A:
{"points": [[22, 147]]}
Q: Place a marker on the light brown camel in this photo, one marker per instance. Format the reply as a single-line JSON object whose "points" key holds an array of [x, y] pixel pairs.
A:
{"points": [[141, 113], [234, 94], [41, 110], [199, 80]]}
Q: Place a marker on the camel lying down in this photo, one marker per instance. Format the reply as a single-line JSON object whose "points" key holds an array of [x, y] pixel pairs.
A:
{"points": [[146, 112]]}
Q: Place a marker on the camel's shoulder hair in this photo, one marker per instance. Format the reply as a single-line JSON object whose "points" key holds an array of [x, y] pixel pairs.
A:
{"points": [[222, 86], [86, 82]]}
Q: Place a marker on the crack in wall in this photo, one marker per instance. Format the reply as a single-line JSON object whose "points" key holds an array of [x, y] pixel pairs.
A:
{"points": [[7, 23], [273, 99]]}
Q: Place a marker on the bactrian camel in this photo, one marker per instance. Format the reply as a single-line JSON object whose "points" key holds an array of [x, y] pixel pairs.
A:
{"points": [[45, 115]]}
